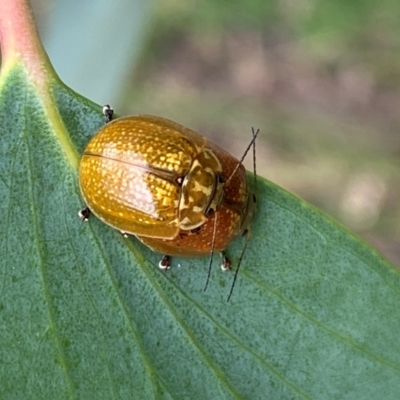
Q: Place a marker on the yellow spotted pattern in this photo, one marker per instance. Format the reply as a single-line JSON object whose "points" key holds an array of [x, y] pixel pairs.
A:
{"points": [[156, 179], [199, 188], [130, 171]]}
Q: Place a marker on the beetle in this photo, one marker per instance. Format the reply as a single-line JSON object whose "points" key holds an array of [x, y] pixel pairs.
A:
{"points": [[177, 192]]}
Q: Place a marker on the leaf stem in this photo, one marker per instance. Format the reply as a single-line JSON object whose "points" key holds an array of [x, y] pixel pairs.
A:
{"points": [[19, 41]]}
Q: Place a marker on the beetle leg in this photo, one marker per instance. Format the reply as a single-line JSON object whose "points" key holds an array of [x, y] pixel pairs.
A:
{"points": [[124, 234], [84, 214], [108, 113], [165, 263], [226, 262]]}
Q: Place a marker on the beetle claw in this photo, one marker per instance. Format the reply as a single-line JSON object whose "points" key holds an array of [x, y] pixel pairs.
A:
{"points": [[226, 262], [108, 113], [165, 263], [84, 214]]}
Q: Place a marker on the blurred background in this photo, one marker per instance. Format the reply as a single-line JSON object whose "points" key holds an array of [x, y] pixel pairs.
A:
{"points": [[321, 79]]}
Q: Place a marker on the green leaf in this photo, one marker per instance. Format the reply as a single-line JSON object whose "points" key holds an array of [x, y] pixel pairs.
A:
{"points": [[86, 314]]}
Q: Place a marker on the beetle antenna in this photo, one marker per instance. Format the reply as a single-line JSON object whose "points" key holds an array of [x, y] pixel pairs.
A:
{"points": [[255, 133], [252, 143], [212, 250], [237, 268]]}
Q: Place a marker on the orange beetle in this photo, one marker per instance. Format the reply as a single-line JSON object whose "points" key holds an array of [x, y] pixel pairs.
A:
{"points": [[178, 193]]}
